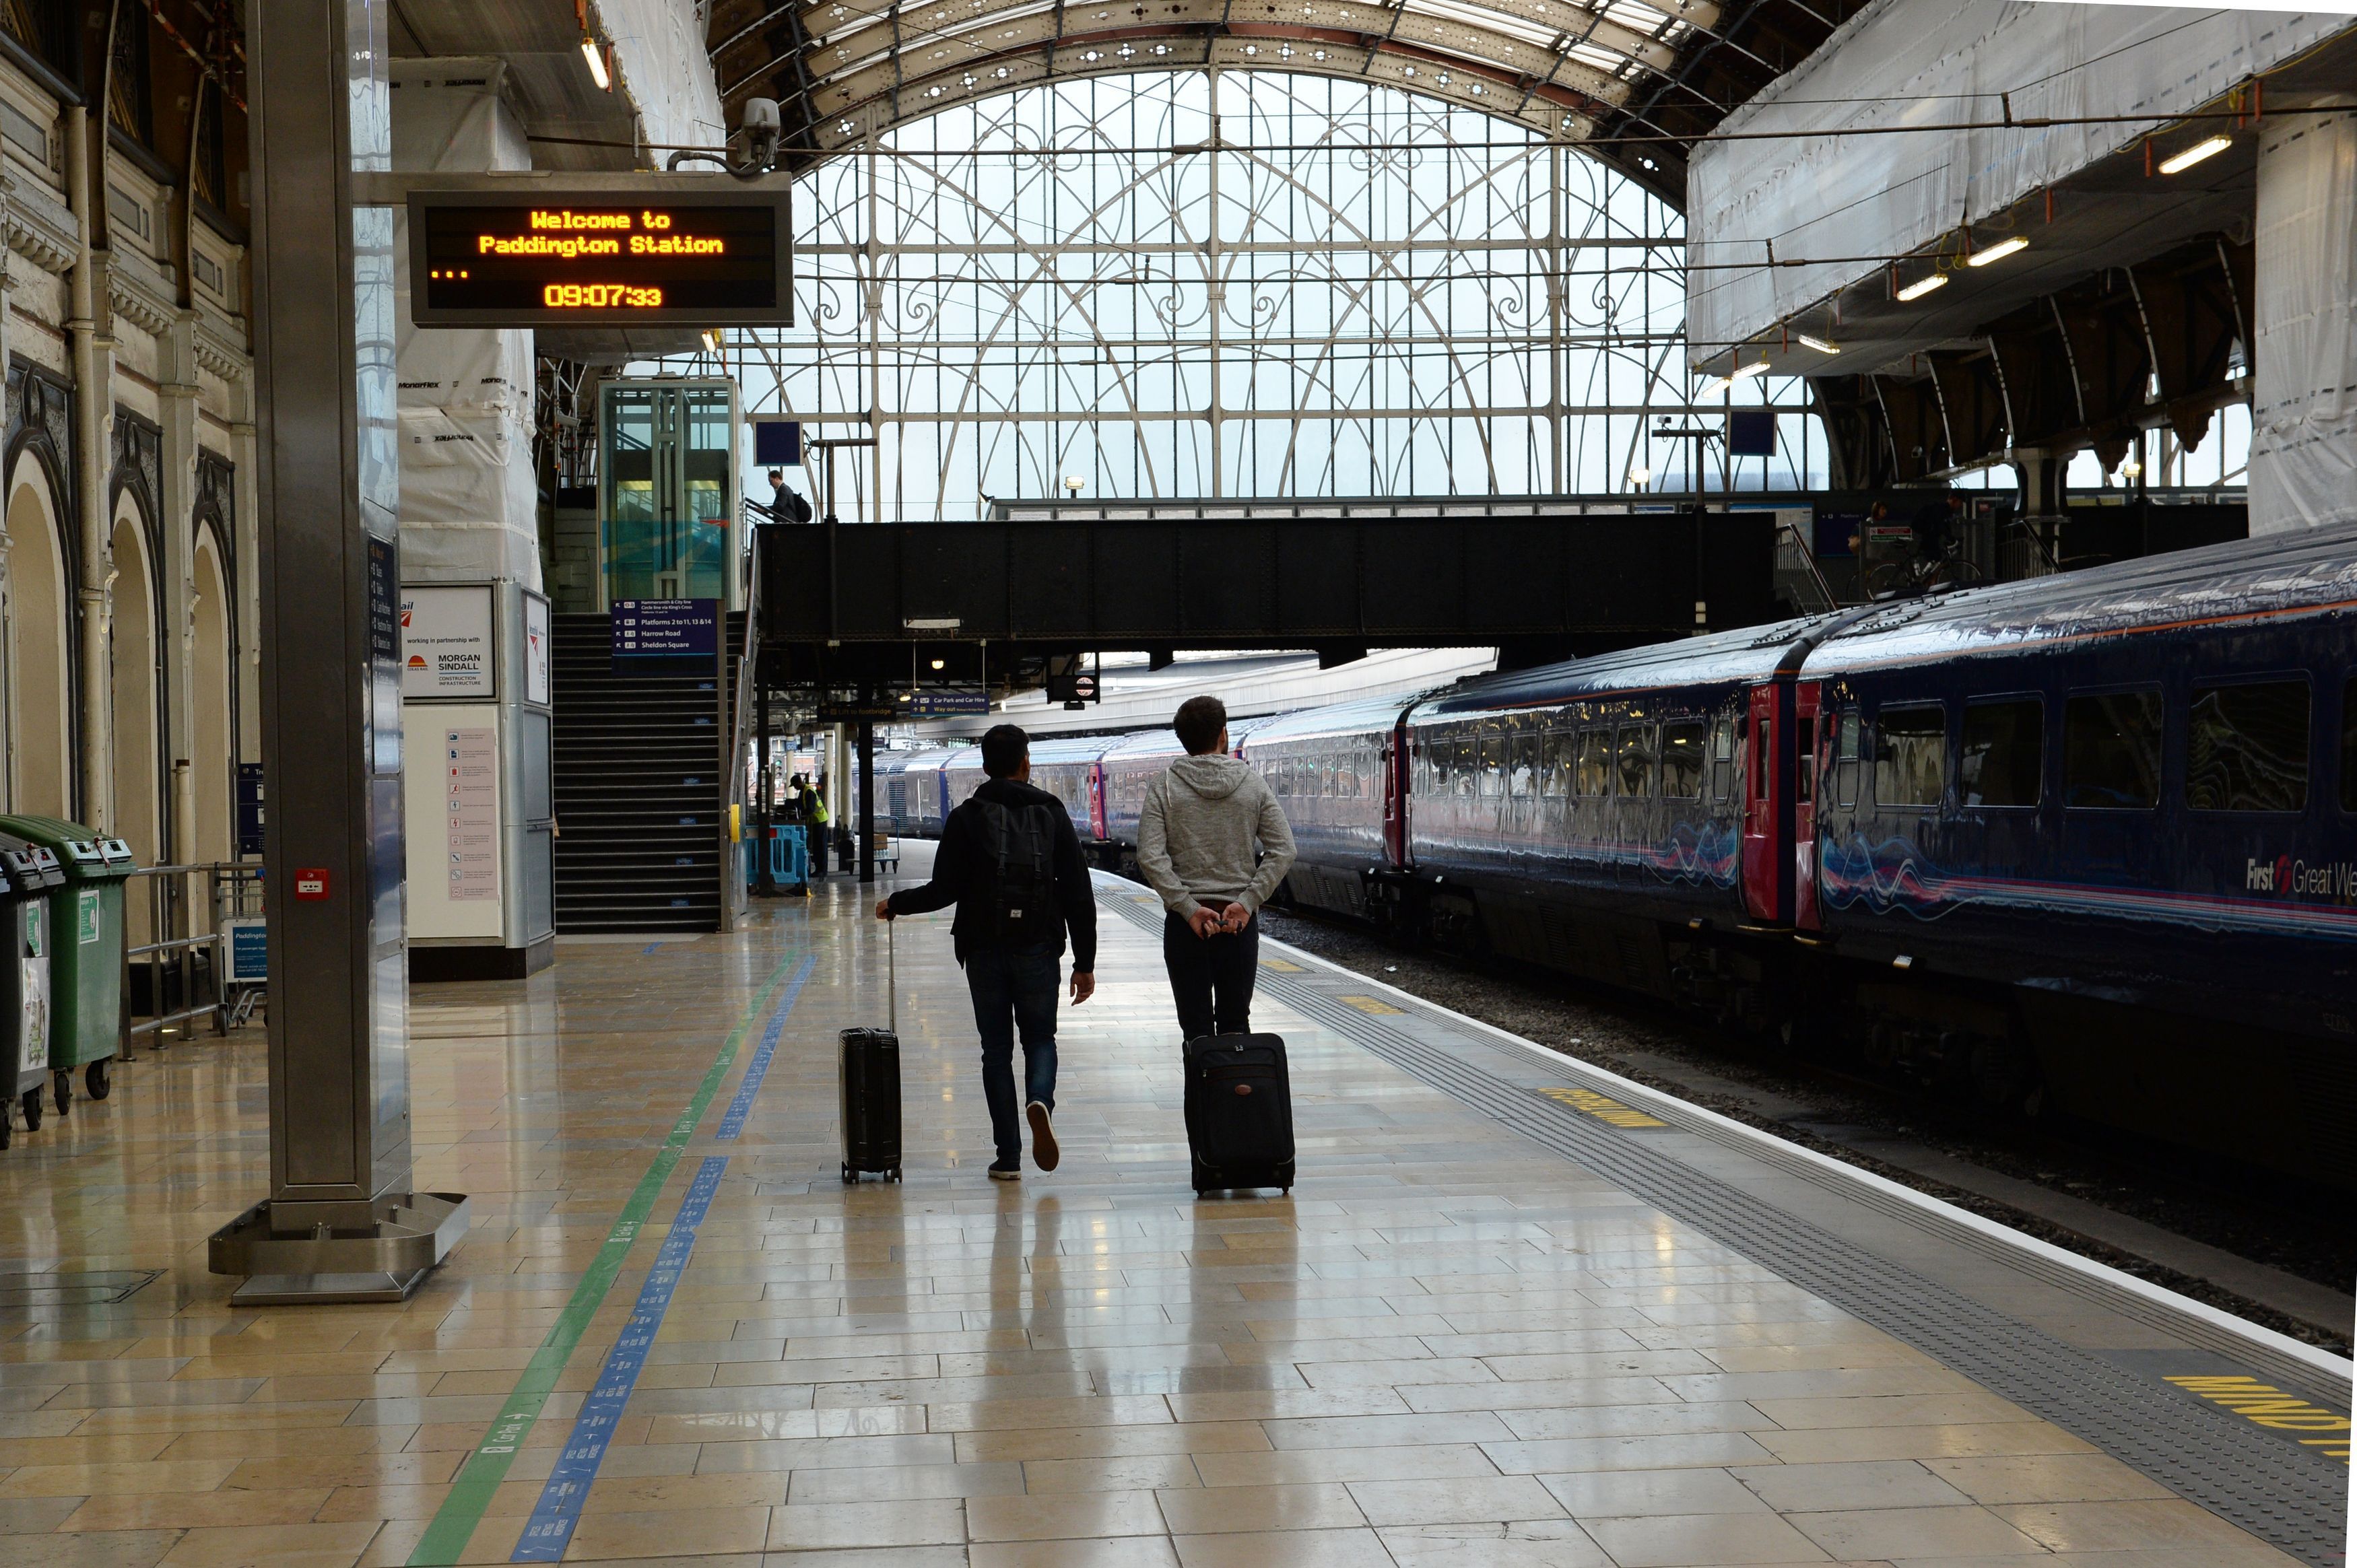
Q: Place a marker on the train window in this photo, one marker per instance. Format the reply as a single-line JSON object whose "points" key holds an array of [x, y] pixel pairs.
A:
{"points": [[1911, 755], [1561, 748], [1634, 762], [1722, 761], [1682, 745], [1807, 760], [2349, 746], [1493, 762], [2003, 755], [2111, 750], [1461, 757], [2247, 747], [1846, 759], [1524, 756], [1595, 772]]}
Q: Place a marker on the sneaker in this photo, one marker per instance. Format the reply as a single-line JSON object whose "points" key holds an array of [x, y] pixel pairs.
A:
{"points": [[1044, 1153], [1006, 1173]]}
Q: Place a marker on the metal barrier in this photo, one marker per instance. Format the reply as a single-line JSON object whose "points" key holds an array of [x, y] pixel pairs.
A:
{"points": [[178, 953]]}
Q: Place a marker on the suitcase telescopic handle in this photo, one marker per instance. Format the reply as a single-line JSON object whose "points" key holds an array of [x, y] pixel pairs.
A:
{"points": [[891, 978]]}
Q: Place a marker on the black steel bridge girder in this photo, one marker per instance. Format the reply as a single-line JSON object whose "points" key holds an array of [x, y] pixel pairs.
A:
{"points": [[1543, 586]]}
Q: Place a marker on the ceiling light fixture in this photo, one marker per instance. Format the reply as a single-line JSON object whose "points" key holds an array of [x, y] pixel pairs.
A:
{"points": [[2209, 148], [1719, 385], [1923, 285], [597, 59], [1640, 475], [1819, 344], [1998, 252], [2131, 468]]}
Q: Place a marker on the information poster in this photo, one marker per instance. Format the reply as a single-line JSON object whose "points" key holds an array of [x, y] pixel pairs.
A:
{"points": [[446, 639], [471, 810], [535, 650]]}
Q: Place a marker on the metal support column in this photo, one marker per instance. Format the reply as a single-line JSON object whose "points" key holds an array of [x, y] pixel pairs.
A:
{"points": [[866, 794], [764, 813], [340, 1223]]}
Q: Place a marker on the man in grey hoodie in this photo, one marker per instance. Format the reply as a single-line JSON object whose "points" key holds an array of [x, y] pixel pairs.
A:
{"points": [[1212, 842]]}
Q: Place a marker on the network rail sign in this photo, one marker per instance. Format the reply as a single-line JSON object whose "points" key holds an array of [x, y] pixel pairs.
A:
{"points": [[590, 258]]}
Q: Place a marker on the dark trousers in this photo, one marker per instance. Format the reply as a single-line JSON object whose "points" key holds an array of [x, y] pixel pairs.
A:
{"points": [[1013, 990], [1211, 977]]}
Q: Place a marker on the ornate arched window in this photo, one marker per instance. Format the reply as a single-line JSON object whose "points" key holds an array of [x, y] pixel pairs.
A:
{"points": [[1231, 283]]}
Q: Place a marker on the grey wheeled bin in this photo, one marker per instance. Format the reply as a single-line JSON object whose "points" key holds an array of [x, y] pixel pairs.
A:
{"points": [[28, 871], [86, 927]]}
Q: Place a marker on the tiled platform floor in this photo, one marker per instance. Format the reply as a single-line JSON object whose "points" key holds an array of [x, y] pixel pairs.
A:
{"points": [[1450, 1347]]}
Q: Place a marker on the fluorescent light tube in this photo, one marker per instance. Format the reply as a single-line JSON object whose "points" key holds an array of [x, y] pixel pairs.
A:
{"points": [[1998, 252], [2195, 154], [597, 59], [1819, 344], [1923, 285]]}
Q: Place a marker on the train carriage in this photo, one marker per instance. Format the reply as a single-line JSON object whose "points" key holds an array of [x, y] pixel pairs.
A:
{"points": [[2047, 843]]}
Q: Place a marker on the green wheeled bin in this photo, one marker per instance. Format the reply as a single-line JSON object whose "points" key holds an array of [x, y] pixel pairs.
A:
{"points": [[86, 959], [28, 873]]}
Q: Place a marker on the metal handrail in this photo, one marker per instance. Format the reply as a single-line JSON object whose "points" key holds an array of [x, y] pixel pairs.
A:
{"points": [[173, 946]]}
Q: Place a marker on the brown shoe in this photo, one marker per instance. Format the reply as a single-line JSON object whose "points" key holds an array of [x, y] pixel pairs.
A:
{"points": [[1044, 1153]]}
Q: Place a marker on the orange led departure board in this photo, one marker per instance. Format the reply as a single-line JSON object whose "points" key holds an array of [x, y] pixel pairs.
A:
{"points": [[600, 258]]}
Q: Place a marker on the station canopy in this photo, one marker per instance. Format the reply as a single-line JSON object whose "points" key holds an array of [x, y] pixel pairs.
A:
{"points": [[1637, 80]]}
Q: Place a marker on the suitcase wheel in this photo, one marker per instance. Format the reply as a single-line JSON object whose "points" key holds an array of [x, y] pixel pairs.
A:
{"points": [[896, 1173], [32, 1108], [849, 1176]]}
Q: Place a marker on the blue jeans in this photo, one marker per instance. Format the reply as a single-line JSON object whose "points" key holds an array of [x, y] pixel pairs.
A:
{"points": [[1015, 988]]}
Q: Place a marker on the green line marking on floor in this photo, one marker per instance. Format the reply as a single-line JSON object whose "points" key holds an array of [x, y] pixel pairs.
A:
{"points": [[479, 1480]]}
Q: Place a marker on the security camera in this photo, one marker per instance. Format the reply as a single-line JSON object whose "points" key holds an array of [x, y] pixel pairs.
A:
{"points": [[763, 129]]}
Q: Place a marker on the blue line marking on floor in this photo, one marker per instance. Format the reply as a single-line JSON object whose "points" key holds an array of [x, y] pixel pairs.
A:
{"points": [[554, 1518], [550, 1529], [733, 1122], [647, 949]]}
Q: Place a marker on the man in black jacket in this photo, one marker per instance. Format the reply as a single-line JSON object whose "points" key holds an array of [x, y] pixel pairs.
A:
{"points": [[1011, 863]]}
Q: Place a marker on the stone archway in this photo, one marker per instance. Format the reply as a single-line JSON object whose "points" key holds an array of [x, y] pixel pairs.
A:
{"points": [[38, 691], [211, 739], [132, 685]]}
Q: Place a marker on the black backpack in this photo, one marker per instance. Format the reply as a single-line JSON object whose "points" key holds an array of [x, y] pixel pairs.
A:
{"points": [[1019, 845]]}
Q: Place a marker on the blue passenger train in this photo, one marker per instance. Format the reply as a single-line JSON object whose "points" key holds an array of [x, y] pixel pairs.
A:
{"points": [[2085, 843]]}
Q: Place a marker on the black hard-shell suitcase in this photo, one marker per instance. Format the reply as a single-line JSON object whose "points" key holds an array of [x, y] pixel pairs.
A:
{"points": [[869, 1070], [1239, 1112]]}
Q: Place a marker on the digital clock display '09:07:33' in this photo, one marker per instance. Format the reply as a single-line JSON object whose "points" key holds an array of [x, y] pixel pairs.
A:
{"points": [[599, 258]]}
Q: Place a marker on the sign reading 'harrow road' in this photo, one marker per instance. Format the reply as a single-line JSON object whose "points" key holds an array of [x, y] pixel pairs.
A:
{"points": [[589, 258]]}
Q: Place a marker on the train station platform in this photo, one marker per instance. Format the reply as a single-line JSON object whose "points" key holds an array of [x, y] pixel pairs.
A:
{"points": [[1515, 1314]]}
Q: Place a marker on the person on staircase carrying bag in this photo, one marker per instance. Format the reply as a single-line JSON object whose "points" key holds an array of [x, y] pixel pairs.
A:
{"points": [[1213, 844], [1011, 863]]}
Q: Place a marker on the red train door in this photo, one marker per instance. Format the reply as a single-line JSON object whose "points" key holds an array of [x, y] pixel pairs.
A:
{"points": [[1096, 800], [1395, 798], [1807, 754], [1763, 867]]}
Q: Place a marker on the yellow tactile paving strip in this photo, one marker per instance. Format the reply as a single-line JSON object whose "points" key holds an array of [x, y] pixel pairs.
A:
{"points": [[1450, 1347]]}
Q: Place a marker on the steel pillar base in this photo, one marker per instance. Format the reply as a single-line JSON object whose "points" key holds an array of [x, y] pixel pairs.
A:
{"points": [[414, 1232]]}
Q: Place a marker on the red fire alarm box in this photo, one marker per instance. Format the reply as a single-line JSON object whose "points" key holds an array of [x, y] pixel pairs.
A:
{"points": [[310, 883]]}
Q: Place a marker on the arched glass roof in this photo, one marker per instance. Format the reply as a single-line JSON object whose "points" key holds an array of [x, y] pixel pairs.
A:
{"points": [[1634, 79], [1225, 283]]}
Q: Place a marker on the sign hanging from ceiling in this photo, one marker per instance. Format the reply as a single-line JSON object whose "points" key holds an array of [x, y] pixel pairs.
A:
{"points": [[590, 258]]}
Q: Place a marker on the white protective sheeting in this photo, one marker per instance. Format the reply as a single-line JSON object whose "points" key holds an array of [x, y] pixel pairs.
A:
{"points": [[1820, 189], [469, 502], [2304, 405], [658, 55]]}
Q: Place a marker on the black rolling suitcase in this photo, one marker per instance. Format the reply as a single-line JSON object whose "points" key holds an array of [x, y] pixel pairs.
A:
{"points": [[1239, 1112], [869, 1070]]}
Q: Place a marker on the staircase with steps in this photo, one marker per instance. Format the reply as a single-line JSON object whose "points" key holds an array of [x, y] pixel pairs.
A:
{"points": [[640, 785]]}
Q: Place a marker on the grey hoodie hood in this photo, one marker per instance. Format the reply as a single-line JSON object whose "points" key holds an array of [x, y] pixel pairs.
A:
{"points": [[1213, 774]]}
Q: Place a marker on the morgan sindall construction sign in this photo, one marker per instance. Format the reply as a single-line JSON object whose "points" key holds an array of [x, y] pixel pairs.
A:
{"points": [[446, 642]]}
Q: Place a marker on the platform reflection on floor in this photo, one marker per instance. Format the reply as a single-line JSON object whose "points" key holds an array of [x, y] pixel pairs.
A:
{"points": [[1450, 1347]]}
